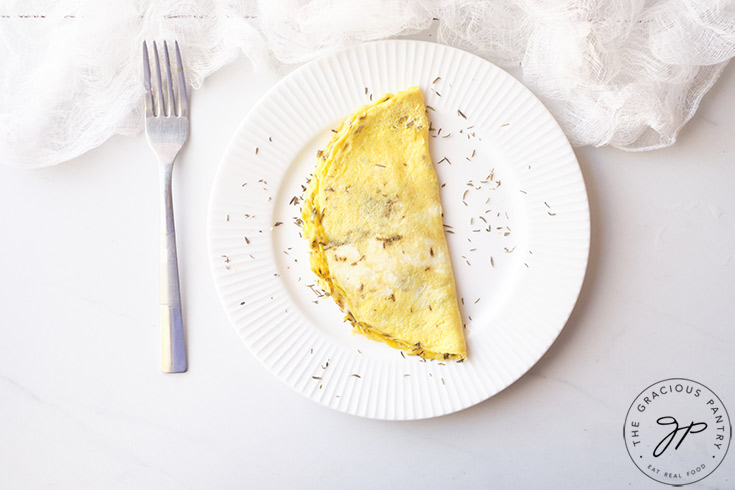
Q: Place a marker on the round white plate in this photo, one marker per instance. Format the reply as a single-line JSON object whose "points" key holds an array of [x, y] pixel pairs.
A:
{"points": [[514, 201]]}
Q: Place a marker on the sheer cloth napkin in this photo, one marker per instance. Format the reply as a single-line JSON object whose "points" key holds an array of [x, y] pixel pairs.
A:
{"points": [[625, 73]]}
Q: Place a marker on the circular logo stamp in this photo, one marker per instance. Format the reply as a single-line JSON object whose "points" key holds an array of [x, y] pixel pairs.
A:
{"points": [[677, 431]]}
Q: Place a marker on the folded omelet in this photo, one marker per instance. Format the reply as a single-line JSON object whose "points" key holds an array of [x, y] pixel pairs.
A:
{"points": [[373, 220]]}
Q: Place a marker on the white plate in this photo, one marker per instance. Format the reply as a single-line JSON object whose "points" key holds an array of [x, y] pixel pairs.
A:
{"points": [[536, 206]]}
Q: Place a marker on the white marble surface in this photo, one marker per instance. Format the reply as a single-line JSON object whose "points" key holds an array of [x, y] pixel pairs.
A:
{"points": [[84, 406]]}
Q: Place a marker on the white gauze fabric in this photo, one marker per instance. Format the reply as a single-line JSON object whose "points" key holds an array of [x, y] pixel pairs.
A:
{"points": [[626, 73]]}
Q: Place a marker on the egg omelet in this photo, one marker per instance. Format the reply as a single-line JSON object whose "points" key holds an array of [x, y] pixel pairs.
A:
{"points": [[373, 220]]}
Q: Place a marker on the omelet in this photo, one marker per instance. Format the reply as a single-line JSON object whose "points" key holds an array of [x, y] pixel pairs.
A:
{"points": [[373, 220]]}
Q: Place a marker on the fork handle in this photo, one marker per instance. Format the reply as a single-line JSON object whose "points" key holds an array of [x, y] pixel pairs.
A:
{"points": [[173, 349]]}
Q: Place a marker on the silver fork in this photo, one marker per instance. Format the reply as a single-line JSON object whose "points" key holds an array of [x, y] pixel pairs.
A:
{"points": [[167, 127]]}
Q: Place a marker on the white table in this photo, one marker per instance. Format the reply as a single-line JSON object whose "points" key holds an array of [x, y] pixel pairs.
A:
{"points": [[83, 404]]}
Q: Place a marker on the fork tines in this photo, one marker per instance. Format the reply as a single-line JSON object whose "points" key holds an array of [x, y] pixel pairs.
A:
{"points": [[160, 101]]}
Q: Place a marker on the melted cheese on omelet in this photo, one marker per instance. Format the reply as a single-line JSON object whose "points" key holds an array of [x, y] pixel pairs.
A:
{"points": [[373, 219]]}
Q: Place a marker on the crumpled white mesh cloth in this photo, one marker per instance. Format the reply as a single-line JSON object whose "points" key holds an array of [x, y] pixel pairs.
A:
{"points": [[626, 73]]}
